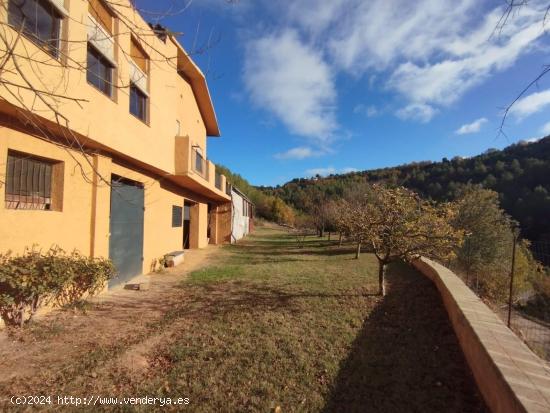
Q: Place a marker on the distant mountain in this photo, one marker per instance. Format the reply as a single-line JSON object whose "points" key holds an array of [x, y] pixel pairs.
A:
{"points": [[520, 173]]}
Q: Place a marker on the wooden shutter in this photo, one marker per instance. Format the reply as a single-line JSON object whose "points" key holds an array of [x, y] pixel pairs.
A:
{"points": [[138, 56], [101, 14]]}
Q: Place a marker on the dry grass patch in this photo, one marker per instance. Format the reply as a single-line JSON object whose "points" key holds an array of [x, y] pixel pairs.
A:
{"points": [[277, 324], [271, 323]]}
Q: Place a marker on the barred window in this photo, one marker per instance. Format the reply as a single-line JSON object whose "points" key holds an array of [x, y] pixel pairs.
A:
{"points": [[28, 182]]}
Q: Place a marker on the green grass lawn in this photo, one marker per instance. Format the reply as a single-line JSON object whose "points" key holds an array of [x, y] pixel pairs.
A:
{"points": [[275, 324], [272, 325]]}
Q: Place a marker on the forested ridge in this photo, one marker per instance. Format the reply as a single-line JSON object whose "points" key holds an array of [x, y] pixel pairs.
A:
{"points": [[519, 173]]}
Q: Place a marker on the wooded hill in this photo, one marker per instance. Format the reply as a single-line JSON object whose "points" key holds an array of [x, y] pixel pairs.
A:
{"points": [[520, 174]]}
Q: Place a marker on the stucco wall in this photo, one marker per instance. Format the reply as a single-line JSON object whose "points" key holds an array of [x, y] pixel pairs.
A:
{"points": [[83, 222], [69, 228], [509, 375], [101, 118]]}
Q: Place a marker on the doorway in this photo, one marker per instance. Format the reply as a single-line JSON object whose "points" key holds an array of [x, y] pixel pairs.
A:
{"points": [[186, 224]]}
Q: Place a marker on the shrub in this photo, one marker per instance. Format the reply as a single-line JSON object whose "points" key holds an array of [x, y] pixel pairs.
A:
{"points": [[539, 304], [485, 257], [55, 277]]}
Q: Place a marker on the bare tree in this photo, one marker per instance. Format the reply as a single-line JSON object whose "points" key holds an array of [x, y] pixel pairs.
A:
{"points": [[510, 11]]}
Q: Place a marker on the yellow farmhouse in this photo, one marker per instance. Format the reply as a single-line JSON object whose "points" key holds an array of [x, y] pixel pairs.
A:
{"points": [[103, 127]]}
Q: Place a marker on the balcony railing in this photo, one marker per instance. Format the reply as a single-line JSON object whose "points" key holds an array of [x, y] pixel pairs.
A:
{"points": [[193, 167], [199, 164], [219, 181]]}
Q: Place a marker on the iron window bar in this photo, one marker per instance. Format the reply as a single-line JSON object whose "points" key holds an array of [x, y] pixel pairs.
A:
{"points": [[29, 183]]}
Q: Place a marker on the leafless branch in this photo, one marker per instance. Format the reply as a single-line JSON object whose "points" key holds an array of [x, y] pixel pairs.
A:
{"points": [[512, 6]]}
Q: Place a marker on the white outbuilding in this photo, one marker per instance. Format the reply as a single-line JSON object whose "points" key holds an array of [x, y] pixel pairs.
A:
{"points": [[242, 219]]}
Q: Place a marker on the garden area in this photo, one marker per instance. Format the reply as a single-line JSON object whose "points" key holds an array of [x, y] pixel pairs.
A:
{"points": [[271, 324]]}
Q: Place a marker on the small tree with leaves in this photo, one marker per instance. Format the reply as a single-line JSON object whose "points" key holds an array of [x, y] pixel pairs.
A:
{"points": [[486, 254], [332, 213], [352, 221], [399, 225]]}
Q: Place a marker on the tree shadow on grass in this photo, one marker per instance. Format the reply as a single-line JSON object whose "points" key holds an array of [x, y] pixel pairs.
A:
{"points": [[309, 251], [217, 299], [406, 357], [328, 250]]}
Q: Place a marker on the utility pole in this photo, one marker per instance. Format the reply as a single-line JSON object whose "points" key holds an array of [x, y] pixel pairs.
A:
{"points": [[515, 234]]}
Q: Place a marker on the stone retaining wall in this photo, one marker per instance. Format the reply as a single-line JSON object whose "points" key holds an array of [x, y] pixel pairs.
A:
{"points": [[510, 377]]}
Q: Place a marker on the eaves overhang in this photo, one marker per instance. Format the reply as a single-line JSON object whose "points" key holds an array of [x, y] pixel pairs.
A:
{"points": [[198, 83]]}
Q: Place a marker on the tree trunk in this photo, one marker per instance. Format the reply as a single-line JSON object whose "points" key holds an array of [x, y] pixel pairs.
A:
{"points": [[381, 278], [340, 240], [358, 251], [20, 320], [329, 235]]}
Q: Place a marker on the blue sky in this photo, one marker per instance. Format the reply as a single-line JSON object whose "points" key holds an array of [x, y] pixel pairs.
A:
{"points": [[303, 87]]}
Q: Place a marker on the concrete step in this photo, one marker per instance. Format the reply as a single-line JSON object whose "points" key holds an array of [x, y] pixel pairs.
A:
{"points": [[139, 283]]}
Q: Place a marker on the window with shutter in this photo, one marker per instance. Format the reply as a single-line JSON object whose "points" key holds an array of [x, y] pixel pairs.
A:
{"points": [[138, 103], [38, 19], [99, 71]]}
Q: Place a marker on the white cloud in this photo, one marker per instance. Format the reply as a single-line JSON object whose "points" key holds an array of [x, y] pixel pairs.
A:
{"points": [[473, 127], [417, 111], [428, 52], [300, 152], [381, 32], [445, 81], [545, 130], [433, 51], [314, 16], [531, 104], [290, 79], [369, 111], [329, 170]]}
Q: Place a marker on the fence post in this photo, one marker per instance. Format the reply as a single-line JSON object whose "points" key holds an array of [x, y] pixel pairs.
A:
{"points": [[515, 239]]}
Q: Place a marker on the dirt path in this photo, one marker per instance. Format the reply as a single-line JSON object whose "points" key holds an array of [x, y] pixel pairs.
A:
{"points": [[116, 328]]}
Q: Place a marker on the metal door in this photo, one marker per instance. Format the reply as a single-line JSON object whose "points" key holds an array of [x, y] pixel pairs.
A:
{"points": [[126, 228]]}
